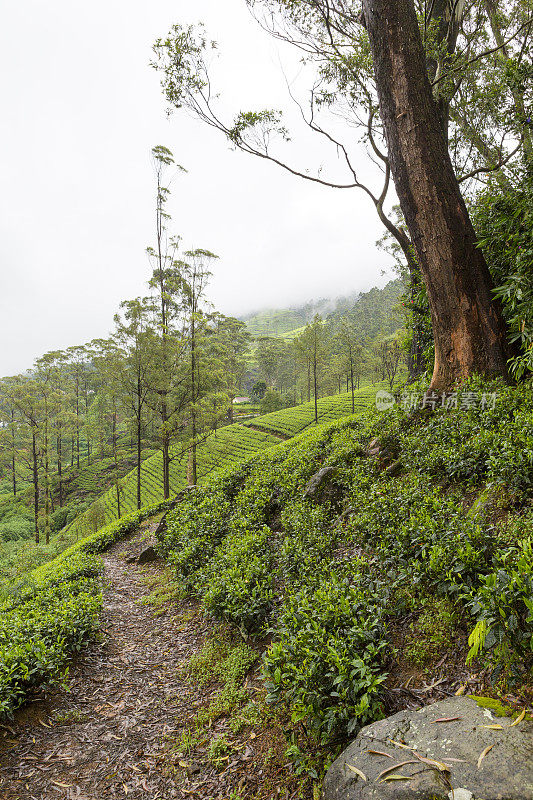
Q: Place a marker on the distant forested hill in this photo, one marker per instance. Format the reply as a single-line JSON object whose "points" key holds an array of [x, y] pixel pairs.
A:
{"points": [[277, 321], [375, 313]]}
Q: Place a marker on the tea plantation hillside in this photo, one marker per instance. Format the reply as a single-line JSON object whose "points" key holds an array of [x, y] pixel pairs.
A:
{"points": [[227, 447], [80, 486], [364, 565], [276, 322], [379, 551], [291, 421]]}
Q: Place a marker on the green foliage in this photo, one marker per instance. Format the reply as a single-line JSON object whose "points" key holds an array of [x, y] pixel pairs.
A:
{"points": [[258, 390], [194, 530], [327, 585], [291, 421], [239, 582], [228, 446], [37, 635], [431, 633], [272, 401], [489, 440], [218, 748], [16, 530], [503, 603], [222, 660], [325, 662], [377, 312], [504, 222]]}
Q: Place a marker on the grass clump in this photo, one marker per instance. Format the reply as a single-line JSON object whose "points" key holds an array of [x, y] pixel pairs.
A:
{"points": [[218, 749], [226, 662], [69, 717], [432, 632]]}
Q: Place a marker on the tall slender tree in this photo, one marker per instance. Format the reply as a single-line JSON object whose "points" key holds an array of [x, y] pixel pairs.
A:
{"points": [[196, 274]]}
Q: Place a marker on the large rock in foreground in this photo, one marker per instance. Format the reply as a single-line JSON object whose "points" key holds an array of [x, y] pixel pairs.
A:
{"points": [[473, 761]]}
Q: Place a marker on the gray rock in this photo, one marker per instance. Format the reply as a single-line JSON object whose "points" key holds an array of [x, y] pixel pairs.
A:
{"points": [[322, 485], [393, 469], [505, 772], [162, 526], [494, 498], [147, 555]]}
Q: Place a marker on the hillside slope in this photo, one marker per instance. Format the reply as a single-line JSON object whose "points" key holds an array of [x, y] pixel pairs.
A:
{"points": [[278, 321], [228, 447], [225, 448], [399, 575]]}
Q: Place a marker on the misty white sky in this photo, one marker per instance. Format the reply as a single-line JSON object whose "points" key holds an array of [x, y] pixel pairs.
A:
{"points": [[81, 110]]}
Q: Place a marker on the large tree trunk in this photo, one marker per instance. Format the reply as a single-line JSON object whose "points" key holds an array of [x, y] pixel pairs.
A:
{"points": [[469, 329]]}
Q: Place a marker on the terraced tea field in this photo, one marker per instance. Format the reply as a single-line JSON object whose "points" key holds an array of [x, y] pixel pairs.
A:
{"points": [[290, 421], [227, 447]]}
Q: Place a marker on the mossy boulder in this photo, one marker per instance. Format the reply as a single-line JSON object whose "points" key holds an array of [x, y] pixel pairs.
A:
{"points": [[493, 499], [454, 749], [323, 486]]}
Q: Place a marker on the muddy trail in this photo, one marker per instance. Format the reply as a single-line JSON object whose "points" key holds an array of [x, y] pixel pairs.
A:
{"points": [[114, 731]]}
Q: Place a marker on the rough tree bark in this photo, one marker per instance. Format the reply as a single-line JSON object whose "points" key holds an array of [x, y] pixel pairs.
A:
{"points": [[469, 329]]}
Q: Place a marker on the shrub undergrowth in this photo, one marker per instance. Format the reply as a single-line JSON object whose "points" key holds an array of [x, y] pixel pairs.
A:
{"points": [[325, 581]]}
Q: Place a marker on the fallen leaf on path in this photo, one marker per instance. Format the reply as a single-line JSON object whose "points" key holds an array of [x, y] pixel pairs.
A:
{"points": [[460, 691], [395, 766], [432, 763], [396, 778], [445, 719], [483, 754], [433, 685], [401, 744], [493, 727], [357, 771], [64, 785], [379, 753], [518, 719]]}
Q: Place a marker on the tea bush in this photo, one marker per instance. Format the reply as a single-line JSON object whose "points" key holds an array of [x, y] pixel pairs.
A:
{"points": [[239, 583], [325, 581], [326, 660]]}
